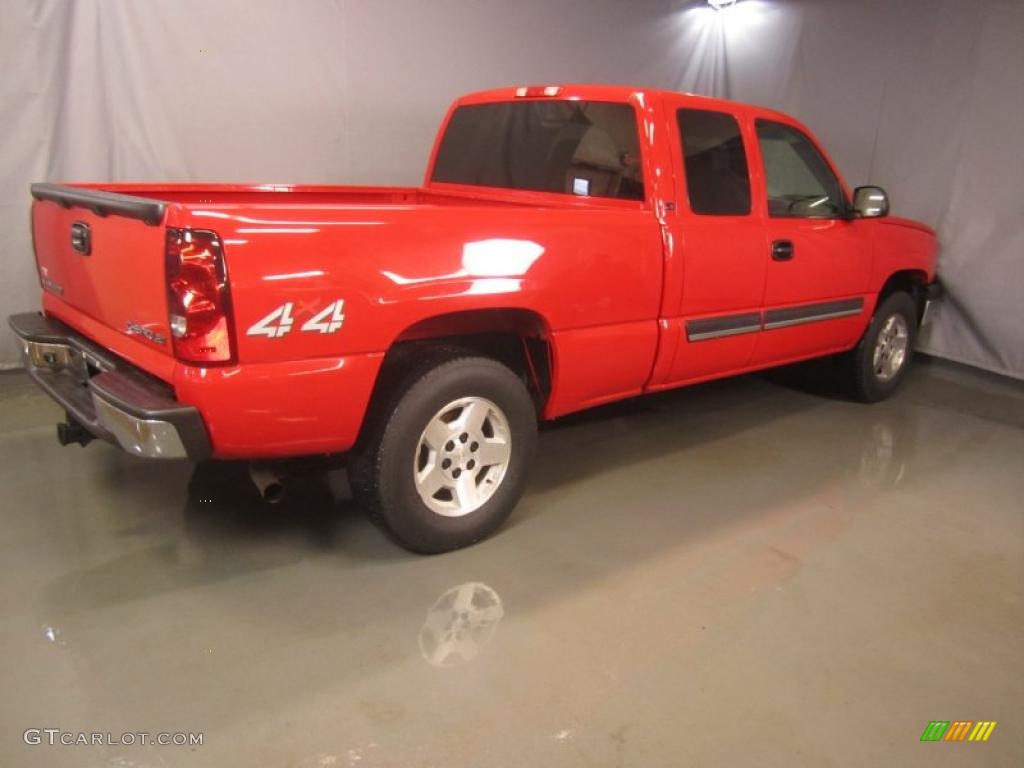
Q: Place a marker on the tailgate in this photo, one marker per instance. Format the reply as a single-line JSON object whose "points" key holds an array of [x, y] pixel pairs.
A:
{"points": [[101, 254]]}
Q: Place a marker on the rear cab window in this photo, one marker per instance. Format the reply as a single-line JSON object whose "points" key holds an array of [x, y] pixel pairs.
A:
{"points": [[571, 147]]}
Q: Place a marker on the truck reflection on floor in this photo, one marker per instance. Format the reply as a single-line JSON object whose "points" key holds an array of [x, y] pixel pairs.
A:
{"points": [[223, 504], [460, 624]]}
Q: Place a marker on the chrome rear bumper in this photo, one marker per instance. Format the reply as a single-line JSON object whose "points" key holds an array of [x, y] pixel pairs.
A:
{"points": [[110, 398]]}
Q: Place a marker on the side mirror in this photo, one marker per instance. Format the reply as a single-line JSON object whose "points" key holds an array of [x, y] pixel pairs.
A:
{"points": [[870, 202]]}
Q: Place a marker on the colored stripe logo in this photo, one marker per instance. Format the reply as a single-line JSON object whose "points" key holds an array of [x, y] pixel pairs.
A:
{"points": [[958, 730], [982, 731]]}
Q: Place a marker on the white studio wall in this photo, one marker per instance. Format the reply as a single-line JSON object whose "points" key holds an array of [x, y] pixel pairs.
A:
{"points": [[921, 97]]}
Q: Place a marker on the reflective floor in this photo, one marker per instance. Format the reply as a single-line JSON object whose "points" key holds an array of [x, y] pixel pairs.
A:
{"points": [[749, 572]]}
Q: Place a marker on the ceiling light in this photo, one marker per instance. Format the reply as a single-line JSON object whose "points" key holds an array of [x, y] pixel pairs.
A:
{"points": [[720, 4]]}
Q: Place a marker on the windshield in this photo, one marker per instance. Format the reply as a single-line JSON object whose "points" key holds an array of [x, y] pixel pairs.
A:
{"points": [[585, 148]]}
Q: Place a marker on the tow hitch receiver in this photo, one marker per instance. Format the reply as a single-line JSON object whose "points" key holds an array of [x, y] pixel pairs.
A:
{"points": [[70, 432]]}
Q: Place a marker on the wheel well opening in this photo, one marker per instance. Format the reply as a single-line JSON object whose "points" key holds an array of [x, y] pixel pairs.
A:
{"points": [[517, 338], [912, 281]]}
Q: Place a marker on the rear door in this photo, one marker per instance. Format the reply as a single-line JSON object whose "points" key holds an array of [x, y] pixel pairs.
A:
{"points": [[817, 261], [717, 260]]}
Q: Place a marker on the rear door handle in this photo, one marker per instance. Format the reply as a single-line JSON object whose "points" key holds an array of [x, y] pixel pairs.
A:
{"points": [[782, 250]]}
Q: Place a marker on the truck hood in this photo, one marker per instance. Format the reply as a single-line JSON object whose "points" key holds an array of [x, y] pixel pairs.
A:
{"points": [[899, 221]]}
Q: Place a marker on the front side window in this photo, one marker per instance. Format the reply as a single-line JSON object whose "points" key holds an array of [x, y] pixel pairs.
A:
{"points": [[799, 180], [716, 165], [585, 148]]}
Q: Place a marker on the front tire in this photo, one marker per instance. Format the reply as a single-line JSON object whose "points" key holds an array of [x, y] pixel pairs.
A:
{"points": [[445, 461], [880, 360]]}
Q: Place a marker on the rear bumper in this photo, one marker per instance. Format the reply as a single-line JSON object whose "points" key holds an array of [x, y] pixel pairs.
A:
{"points": [[110, 398]]}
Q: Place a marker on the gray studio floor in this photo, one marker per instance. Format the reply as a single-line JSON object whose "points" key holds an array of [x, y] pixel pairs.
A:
{"points": [[749, 572]]}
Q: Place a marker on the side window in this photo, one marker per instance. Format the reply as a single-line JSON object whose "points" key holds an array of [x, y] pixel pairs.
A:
{"points": [[800, 182], [716, 165]]}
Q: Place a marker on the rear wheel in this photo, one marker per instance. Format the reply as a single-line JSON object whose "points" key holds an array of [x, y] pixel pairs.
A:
{"points": [[445, 462], [880, 360]]}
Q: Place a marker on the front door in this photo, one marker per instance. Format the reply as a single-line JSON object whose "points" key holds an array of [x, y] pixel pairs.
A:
{"points": [[817, 259]]}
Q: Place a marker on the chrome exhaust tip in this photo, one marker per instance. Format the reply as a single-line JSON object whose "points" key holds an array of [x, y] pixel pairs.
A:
{"points": [[268, 482]]}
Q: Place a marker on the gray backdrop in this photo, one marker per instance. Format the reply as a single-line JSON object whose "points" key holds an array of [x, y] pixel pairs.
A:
{"points": [[922, 97]]}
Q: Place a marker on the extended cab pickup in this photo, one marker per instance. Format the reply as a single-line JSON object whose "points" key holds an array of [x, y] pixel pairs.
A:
{"points": [[570, 246]]}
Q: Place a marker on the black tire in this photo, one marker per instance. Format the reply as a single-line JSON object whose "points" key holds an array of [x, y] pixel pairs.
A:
{"points": [[381, 468], [866, 383]]}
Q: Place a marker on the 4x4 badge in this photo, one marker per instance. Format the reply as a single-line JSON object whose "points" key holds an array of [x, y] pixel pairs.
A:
{"points": [[280, 321]]}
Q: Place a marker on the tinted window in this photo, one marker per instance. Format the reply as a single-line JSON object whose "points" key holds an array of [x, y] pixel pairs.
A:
{"points": [[573, 147], [716, 165], [800, 182]]}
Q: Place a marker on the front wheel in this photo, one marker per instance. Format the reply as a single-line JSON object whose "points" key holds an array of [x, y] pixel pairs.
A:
{"points": [[444, 467], [880, 360]]}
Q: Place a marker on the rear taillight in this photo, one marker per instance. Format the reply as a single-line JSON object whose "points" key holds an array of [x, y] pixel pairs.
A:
{"points": [[198, 297]]}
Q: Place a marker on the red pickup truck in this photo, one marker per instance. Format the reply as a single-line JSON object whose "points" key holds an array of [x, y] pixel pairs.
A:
{"points": [[570, 246]]}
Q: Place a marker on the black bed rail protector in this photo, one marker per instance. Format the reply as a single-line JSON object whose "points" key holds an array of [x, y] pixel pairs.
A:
{"points": [[102, 203]]}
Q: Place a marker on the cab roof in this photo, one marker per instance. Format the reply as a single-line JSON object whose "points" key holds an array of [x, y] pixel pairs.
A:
{"points": [[619, 93]]}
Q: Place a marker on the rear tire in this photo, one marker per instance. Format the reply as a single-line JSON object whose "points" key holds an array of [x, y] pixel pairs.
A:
{"points": [[444, 459], [880, 360]]}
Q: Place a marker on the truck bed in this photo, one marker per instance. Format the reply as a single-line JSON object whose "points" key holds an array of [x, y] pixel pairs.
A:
{"points": [[305, 195]]}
